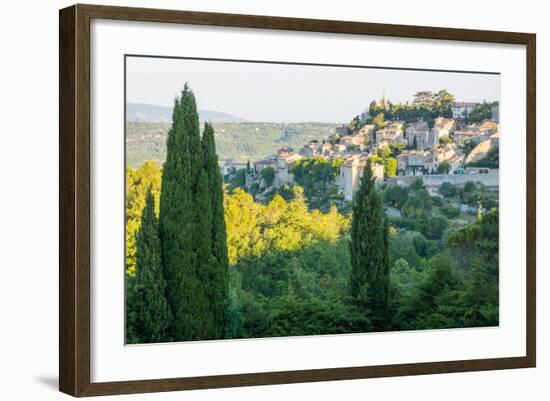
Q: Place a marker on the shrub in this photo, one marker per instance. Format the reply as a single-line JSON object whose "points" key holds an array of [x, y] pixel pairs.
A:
{"points": [[450, 212], [447, 189]]}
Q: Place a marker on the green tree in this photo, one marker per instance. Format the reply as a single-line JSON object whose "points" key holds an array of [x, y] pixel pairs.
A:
{"points": [[481, 111], [424, 99], [434, 301], [385, 152], [395, 195], [475, 249], [216, 258], [444, 140], [148, 314], [417, 183], [191, 231], [444, 168], [379, 121], [469, 186], [268, 175], [467, 146], [138, 183], [390, 167], [373, 108], [450, 212], [369, 283], [239, 178], [177, 215], [404, 278], [442, 102], [354, 125], [447, 189], [432, 227]]}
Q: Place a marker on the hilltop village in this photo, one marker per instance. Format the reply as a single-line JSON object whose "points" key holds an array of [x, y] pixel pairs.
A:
{"points": [[433, 137], [279, 250]]}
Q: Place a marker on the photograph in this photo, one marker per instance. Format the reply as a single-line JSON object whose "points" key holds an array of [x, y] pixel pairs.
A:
{"points": [[276, 199]]}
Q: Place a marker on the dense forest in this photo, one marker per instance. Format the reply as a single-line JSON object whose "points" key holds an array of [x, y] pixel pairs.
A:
{"points": [[206, 261]]}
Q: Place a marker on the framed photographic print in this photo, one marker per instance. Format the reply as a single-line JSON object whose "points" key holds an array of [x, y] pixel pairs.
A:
{"points": [[250, 200]]}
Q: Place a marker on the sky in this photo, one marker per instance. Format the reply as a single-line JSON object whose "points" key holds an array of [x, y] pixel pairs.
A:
{"points": [[270, 92]]}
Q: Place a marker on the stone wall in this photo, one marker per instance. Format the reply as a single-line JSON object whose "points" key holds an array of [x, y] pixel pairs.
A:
{"points": [[491, 179]]}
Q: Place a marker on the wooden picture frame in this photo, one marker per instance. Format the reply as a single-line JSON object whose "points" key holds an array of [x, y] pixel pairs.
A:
{"points": [[74, 199]]}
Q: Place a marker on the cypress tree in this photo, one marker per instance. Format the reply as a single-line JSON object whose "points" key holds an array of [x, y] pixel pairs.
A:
{"points": [[148, 313], [178, 216], [218, 290], [369, 281], [203, 321], [192, 227]]}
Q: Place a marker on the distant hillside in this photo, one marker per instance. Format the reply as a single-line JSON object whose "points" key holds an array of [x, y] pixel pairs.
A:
{"points": [[239, 141], [150, 113]]}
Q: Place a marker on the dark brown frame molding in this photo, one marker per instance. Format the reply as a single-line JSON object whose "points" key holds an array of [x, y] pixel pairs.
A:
{"points": [[74, 199]]}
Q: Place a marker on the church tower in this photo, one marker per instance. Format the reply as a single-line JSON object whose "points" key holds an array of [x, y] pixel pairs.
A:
{"points": [[384, 102]]}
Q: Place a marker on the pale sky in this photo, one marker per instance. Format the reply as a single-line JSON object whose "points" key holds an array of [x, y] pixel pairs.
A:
{"points": [[291, 93]]}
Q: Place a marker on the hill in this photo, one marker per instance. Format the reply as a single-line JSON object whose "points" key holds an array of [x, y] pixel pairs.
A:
{"points": [[240, 141], [150, 113]]}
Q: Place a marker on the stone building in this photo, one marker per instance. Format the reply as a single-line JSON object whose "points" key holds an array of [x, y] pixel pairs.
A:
{"points": [[286, 157], [461, 110], [352, 171], [418, 135]]}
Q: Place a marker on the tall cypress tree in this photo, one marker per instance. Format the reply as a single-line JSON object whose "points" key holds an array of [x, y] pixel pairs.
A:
{"points": [[192, 227], [148, 312], [369, 281], [178, 216], [218, 289]]}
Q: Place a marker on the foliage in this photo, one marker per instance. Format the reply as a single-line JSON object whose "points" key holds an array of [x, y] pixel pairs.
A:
{"points": [[217, 253], [450, 211], [317, 176], [254, 229], [442, 102], [432, 227], [390, 167], [417, 183], [468, 145], [268, 175], [148, 314], [447, 189], [295, 265], [299, 292], [432, 303], [444, 140], [469, 186], [424, 99], [426, 106], [418, 203], [138, 183], [444, 168], [369, 284], [192, 229], [290, 268], [481, 111], [379, 121], [354, 125], [476, 249], [396, 195], [238, 141], [239, 178], [479, 240], [384, 156]]}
